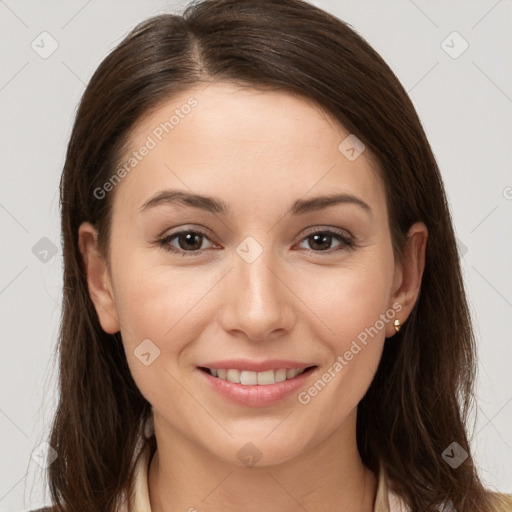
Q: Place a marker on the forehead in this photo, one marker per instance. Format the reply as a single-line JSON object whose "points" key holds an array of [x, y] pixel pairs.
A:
{"points": [[253, 148]]}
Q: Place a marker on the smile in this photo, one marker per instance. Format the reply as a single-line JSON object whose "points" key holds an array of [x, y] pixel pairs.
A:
{"points": [[252, 388], [250, 378]]}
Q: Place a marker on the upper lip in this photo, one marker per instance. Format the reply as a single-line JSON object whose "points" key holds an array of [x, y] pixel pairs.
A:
{"points": [[255, 366]]}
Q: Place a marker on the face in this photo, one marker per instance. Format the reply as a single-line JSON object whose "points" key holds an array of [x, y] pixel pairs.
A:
{"points": [[259, 277]]}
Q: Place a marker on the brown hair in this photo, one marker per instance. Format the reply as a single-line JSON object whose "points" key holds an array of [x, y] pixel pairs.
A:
{"points": [[419, 400]]}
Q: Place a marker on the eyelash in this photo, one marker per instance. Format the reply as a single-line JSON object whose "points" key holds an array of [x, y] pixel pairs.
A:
{"points": [[348, 242]]}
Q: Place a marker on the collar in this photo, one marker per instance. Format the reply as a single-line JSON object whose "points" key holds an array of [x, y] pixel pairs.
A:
{"points": [[385, 501]]}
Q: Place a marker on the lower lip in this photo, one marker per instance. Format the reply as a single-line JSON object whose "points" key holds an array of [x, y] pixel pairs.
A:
{"points": [[255, 395]]}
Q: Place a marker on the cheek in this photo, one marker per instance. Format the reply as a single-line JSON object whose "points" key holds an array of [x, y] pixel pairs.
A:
{"points": [[159, 303], [164, 305], [349, 300], [149, 309], [352, 308]]}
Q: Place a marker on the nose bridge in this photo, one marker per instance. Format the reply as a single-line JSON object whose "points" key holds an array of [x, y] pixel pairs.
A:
{"points": [[258, 303]]}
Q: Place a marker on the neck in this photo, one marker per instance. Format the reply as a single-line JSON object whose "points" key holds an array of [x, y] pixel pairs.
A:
{"points": [[329, 476]]}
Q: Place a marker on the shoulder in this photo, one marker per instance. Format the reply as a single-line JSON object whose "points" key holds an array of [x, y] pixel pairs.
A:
{"points": [[503, 502], [45, 509], [388, 501]]}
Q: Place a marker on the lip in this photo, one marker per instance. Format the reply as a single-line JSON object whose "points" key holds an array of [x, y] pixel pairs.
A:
{"points": [[256, 366], [256, 396]]}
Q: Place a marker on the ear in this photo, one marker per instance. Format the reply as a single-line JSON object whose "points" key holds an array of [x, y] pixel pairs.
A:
{"points": [[407, 280], [98, 278]]}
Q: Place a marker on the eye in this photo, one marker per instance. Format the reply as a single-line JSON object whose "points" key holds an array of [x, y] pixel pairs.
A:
{"points": [[320, 240], [190, 243]]}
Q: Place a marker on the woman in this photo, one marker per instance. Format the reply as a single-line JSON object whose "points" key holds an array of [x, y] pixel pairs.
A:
{"points": [[263, 308]]}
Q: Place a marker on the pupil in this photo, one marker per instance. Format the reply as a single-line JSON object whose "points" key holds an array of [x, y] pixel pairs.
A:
{"points": [[322, 236], [189, 240]]}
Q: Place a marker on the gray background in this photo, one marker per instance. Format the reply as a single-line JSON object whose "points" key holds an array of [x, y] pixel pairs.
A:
{"points": [[465, 105]]}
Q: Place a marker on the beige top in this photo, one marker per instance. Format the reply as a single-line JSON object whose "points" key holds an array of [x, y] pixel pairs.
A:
{"points": [[386, 500]]}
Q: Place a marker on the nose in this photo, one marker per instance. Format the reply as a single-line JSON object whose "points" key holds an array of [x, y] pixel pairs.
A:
{"points": [[259, 303]]}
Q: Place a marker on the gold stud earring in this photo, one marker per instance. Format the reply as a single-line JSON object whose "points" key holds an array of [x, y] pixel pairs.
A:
{"points": [[397, 325]]}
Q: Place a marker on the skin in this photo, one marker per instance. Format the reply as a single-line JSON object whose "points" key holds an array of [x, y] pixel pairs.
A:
{"points": [[258, 151]]}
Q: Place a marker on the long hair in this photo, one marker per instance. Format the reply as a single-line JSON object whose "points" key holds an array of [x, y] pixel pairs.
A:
{"points": [[419, 400]]}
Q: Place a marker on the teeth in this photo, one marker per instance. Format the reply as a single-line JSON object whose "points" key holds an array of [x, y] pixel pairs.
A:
{"points": [[248, 378], [233, 376], [280, 375], [291, 373], [265, 378]]}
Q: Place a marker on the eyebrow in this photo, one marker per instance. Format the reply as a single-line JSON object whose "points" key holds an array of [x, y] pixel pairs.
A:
{"points": [[215, 205]]}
